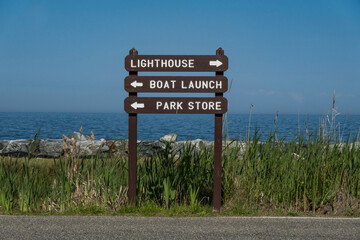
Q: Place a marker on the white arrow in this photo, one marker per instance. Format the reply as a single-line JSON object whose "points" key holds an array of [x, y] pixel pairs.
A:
{"points": [[136, 105], [136, 84], [216, 63]]}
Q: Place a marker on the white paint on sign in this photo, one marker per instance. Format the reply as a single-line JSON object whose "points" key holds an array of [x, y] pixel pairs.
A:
{"points": [[162, 84], [201, 85], [136, 84], [136, 105], [204, 105], [197, 105], [162, 63], [171, 105], [196, 84], [216, 63]]}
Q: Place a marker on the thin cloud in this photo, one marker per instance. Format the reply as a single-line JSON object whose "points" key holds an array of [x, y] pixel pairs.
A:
{"points": [[297, 97], [261, 92]]}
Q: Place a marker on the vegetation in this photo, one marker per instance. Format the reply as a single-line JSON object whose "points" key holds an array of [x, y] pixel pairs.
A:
{"points": [[311, 174]]}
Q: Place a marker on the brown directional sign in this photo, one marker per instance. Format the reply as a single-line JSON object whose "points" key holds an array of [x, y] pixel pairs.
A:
{"points": [[217, 105], [195, 105], [176, 63], [176, 84]]}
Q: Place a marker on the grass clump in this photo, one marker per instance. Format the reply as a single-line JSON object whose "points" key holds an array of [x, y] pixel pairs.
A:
{"points": [[311, 174], [304, 175]]}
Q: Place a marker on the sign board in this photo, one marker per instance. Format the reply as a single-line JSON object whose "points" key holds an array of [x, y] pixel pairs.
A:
{"points": [[176, 84], [176, 63], [216, 105]]}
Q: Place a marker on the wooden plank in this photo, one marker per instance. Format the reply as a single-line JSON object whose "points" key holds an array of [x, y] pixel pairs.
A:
{"points": [[176, 63], [176, 84], [187, 105]]}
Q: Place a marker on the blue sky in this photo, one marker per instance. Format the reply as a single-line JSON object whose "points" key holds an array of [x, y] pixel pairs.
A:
{"points": [[284, 56]]}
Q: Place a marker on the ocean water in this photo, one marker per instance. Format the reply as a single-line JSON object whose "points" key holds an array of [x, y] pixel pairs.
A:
{"points": [[154, 126]]}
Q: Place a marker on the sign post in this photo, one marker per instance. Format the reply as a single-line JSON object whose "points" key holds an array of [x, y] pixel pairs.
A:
{"points": [[132, 144], [218, 149], [190, 105]]}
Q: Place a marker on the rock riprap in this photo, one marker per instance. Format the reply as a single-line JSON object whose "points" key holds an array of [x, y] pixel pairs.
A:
{"points": [[14, 147], [51, 148], [83, 146], [169, 138]]}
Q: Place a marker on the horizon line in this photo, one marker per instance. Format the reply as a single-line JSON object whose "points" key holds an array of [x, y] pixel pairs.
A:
{"points": [[240, 113]]}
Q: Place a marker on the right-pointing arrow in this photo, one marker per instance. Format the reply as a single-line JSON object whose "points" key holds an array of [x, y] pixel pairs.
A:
{"points": [[216, 63], [136, 84], [136, 105]]}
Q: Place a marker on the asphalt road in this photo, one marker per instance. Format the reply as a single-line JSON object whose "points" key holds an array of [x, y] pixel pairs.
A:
{"points": [[111, 227]]}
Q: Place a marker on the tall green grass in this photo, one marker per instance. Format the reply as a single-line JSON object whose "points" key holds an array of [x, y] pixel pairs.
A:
{"points": [[310, 174], [306, 175]]}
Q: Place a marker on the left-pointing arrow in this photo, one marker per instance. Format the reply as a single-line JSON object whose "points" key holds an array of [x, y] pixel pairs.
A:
{"points": [[136, 105], [136, 84]]}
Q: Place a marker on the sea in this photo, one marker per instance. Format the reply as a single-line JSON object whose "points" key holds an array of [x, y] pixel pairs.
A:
{"points": [[53, 125]]}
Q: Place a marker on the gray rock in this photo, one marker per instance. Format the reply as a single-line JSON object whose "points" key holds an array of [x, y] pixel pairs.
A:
{"points": [[194, 145], [200, 144], [84, 147], [169, 138], [228, 145], [340, 146], [51, 148], [3, 144], [93, 148], [87, 148], [177, 147], [150, 148], [79, 137], [17, 148], [117, 146]]}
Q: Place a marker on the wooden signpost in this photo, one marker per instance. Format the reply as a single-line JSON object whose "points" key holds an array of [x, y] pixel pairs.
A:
{"points": [[217, 105]]}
